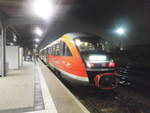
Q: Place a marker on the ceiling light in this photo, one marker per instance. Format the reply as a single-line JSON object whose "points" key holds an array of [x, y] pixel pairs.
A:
{"points": [[37, 40], [38, 31], [14, 39], [11, 44], [120, 31], [43, 8], [36, 45]]}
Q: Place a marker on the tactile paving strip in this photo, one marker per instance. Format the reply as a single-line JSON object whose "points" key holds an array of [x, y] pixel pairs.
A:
{"points": [[38, 98]]}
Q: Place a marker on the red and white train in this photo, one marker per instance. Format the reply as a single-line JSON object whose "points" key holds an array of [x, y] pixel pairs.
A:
{"points": [[81, 58]]}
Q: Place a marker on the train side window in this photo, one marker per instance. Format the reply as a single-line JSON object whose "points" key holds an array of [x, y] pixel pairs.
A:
{"points": [[57, 50], [49, 50], [62, 48], [67, 51], [53, 50]]}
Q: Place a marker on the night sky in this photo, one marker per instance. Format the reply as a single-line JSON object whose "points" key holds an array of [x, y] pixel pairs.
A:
{"points": [[103, 17]]}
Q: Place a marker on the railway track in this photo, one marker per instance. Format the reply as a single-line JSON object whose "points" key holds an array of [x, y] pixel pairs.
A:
{"points": [[122, 100], [117, 101], [114, 102]]}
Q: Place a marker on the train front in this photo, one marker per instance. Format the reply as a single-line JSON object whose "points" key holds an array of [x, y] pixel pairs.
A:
{"points": [[99, 65]]}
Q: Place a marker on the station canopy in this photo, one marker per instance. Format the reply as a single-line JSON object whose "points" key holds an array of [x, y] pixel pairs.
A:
{"points": [[21, 22]]}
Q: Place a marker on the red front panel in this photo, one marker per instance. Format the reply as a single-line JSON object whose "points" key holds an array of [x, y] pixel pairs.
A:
{"points": [[69, 64]]}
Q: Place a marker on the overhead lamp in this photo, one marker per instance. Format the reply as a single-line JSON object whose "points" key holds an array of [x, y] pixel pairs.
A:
{"points": [[36, 45], [37, 40], [14, 38], [11, 44], [38, 31], [120, 31], [43, 8]]}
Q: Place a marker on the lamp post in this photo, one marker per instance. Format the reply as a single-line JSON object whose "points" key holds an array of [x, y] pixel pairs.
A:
{"points": [[120, 31]]}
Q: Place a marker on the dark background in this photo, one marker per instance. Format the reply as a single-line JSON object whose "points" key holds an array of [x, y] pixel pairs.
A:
{"points": [[103, 17]]}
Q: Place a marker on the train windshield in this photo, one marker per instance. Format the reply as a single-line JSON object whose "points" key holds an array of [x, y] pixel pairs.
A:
{"points": [[90, 45]]}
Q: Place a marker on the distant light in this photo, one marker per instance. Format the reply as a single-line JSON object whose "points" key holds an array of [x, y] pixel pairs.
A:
{"points": [[121, 49], [11, 44], [14, 39], [120, 31], [111, 64], [36, 45], [14, 36], [38, 31], [43, 8], [106, 42], [86, 43], [37, 40], [78, 42]]}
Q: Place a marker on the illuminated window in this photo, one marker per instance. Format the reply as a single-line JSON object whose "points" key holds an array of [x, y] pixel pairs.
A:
{"points": [[88, 44]]}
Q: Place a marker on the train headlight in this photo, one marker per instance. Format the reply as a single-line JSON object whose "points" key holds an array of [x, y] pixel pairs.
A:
{"points": [[111, 64]]}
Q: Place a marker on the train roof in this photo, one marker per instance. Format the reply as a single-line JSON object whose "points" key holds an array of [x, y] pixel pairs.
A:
{"points": [[80, 34]]}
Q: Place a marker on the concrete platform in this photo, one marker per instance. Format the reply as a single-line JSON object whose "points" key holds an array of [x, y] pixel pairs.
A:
{"points": [[35, 89], [17, 90], [64, 100]]}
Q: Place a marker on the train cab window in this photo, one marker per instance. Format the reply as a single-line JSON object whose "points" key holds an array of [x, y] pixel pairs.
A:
{"points": [[89, 45], [67, 51], [64, 50]]}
